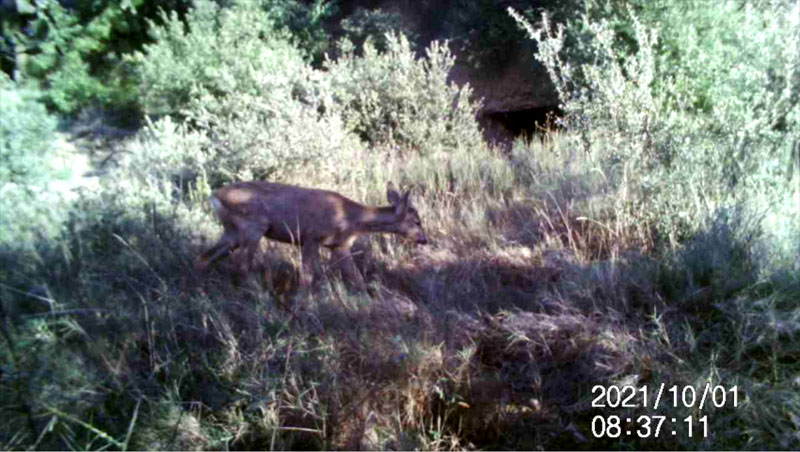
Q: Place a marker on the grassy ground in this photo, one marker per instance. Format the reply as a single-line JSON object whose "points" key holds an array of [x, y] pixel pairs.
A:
{"points": [[506, 332]]}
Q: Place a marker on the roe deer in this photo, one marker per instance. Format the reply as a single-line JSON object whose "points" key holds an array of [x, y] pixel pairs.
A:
{"points": [[305, 217]]}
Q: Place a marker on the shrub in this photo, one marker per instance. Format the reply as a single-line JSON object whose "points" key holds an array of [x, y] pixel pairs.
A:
{"points": [[248, 106], [484, 35], [213, 54], [396, 99], [27, 134], [421, 129], [254, 107], [68, 52], [28, 200], [703, 122], [306, 24], [375, 25]]}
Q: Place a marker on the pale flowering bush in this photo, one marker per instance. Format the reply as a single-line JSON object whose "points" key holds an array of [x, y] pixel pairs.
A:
{"points": [[691, 113]]}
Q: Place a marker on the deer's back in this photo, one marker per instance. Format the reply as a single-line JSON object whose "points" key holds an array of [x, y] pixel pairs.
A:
{"points": [[294, 214]]}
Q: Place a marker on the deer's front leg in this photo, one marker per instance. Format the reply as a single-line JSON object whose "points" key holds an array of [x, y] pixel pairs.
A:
{"points": [[310, 256], [224, 245], [343, 259]]}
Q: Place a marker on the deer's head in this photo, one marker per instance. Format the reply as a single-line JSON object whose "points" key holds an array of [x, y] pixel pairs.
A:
{"points": [[407, 219]]}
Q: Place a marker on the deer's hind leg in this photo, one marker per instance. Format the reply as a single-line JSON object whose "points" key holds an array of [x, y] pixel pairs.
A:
{"points": [[310, 262]]}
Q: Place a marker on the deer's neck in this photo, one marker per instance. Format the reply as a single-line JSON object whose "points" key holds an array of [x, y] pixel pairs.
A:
{"points": [[376, 219]]}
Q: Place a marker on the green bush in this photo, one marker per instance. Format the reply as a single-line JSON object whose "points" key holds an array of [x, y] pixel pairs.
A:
{"points": [[27, 136], [375, 25], [248, 106], [484, 35], [218, 51], [306, 24], [68, 51], [704, 119], [420, 129], [399, 100], [252, 105], [29, 200]]}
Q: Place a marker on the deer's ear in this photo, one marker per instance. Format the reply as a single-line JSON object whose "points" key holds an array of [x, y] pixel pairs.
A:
{"points": [[401, 207], [391, 194]]}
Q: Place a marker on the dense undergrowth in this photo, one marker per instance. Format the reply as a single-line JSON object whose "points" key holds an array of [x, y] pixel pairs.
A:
{"points": [[652, 241]]}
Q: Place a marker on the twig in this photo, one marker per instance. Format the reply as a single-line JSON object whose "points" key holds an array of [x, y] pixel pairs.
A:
{"points": [[32, 295], [85, 311], [132, 424], [85, 425]]}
